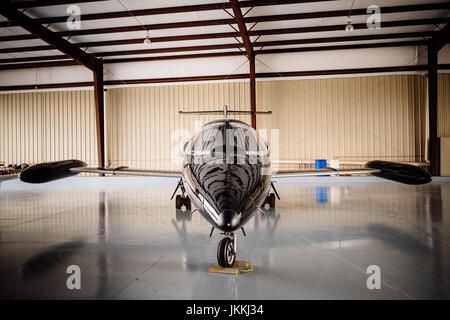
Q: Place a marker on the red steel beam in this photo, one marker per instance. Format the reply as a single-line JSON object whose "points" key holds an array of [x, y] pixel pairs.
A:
{"points": [[239, 19], [434, 46], [284, 17], [234, 46], [443, 37], [47, 3], [227, 35], [168, 10], [100, 115], [11, 13], [432, 107]]}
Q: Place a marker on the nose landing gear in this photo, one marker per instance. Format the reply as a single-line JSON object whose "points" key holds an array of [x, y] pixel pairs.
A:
{"points": [[226, 257], [226, 251]]}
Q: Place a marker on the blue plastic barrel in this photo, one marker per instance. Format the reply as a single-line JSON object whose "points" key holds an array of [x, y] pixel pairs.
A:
{"points": [[320, 163]]}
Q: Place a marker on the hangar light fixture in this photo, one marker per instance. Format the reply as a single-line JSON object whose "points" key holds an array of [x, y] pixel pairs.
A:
{"points": [[349, 27], [147, 40]]}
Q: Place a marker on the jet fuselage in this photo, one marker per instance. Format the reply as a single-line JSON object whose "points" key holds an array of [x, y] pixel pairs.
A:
{"points": [[226, 173]]}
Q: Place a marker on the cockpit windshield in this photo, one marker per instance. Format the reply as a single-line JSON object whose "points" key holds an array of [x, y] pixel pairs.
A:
{"points": [[224, 139]]}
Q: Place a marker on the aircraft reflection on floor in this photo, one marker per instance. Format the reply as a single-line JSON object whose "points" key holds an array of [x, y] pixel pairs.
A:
{"points": [[129, 234], [267, 217], [54, 260], [38, 265], [321, 195], [271, 219], [4, 178]]}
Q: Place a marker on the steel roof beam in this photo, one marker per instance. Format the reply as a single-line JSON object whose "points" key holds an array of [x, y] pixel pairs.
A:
{"points": [[443, 37], [283, 17], [225, 35], [168, 10], [47, 3], [11, 13], [435, 44], [239, 19]]}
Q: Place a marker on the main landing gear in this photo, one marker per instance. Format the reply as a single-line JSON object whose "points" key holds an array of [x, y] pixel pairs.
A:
{"points": [[181, 200], [270, 200], [226, 251]]}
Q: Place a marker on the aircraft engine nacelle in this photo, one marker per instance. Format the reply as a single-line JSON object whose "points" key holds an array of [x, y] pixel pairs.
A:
{"points": [[400, 172], [49, 171]]}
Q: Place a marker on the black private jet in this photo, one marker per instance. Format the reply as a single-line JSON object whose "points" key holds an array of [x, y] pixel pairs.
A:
{"points": [[226, 176]]}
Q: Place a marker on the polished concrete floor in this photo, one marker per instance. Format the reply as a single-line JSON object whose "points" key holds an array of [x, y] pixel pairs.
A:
{"points": [[131, 243]]}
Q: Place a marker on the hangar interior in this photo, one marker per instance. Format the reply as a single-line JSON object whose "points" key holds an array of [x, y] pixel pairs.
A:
{"points": [[103, 82]]}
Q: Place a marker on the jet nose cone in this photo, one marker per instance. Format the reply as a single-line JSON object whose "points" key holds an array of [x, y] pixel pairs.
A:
{"points": [[228, 220]]}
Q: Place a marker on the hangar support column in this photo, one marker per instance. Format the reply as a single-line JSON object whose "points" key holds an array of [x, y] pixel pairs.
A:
{"points": [[433, 145], [253, 91], [239, 19], [435, 44], [100, 113]]}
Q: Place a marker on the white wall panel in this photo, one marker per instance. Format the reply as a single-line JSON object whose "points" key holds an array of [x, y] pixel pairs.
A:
{"points": [[144, 128], [45, 75], [303, 61], [48, 126], [444, 105], [356, 119]]}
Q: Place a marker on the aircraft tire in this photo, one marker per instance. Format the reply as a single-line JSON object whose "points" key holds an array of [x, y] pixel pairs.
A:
{"points": [[187, 203], [178, 202], [272, 200], [225, 253]]}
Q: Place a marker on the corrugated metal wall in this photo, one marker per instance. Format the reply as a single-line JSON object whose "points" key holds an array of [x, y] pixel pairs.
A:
{"points": [[359, 119], [444, 105], [48, 126], [145, 129], [363, 118], [353, 118]]}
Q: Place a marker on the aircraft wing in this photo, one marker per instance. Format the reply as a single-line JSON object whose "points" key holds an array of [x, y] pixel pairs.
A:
{"points": [[325, 171], [396, 171], [49, 171], [8, 177], [128, 171]]}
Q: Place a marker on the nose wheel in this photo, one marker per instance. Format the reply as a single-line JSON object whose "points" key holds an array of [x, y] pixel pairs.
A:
{"points": [[226, 252]]}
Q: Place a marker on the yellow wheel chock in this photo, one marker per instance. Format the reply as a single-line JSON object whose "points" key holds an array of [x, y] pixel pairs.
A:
{"points": [[238, 267]]}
